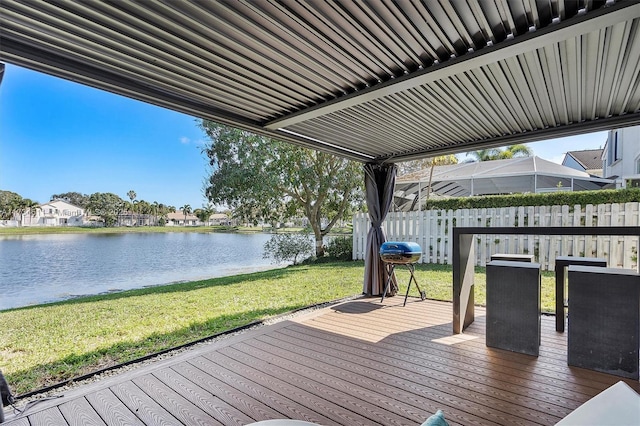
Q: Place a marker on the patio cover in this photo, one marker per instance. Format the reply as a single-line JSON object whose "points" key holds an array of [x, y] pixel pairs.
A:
{"points": [[375, 81], [517, 175]]}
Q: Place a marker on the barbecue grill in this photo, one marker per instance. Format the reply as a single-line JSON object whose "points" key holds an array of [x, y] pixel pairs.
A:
{"points": [[394, 253]]}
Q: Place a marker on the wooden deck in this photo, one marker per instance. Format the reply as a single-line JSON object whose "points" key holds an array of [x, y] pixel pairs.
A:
{"points": [[358, 363]]}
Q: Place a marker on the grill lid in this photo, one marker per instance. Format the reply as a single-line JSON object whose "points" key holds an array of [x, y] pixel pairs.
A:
{"points": [[400, 252]]}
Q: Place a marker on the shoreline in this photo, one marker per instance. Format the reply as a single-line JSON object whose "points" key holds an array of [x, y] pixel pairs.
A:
{"points": [[73, 297], [33, 230], [41, 230]]}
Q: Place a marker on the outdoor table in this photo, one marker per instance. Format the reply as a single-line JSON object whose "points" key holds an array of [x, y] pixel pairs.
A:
{"points": [[463, 259], [563, 262]]}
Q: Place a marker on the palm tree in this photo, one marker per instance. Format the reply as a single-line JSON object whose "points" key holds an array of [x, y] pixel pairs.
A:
{"points": [[513, 151], [27, 207], [156, 207], [143, 207], [203, 214], [132, 196], [516, 151], [485, 154], [186, 209]]}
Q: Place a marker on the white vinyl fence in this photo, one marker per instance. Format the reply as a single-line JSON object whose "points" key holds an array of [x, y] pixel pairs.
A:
{"points": [[433, 231]]}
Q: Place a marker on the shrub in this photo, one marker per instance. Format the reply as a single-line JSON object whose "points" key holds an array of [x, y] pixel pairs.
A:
{"points": [[288, 247], [340, 248], [581, 198]]}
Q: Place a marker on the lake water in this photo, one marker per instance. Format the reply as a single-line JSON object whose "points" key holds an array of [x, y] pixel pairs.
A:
{"points": [[44, 268]]}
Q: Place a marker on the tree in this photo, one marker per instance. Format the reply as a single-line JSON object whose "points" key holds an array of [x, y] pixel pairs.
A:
{"points": [[513, 151], [264, 179], [156, 209], [132, 196], [186, 210], [288, 247], [74, 198], [144, 209], [406, 167], [163, 211], [106, 205], [516, 151], [412, 166], [203, 214], [10, 203], [26, 207]]}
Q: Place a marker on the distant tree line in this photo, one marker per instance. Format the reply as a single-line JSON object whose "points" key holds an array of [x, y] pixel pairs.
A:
{"points": [[112, 209]]}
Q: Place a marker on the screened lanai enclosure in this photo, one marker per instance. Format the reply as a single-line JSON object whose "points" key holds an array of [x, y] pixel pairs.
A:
{"points": [[497, 177]]}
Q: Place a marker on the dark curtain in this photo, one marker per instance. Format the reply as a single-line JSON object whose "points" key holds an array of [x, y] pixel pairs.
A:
{"points": [[379, 182]]}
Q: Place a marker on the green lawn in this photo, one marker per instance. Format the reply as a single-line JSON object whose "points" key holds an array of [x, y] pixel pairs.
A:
{"points": [[44, 344]]}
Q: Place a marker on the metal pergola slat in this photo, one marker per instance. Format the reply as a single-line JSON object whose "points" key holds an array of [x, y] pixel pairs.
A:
{"points": [[373, 81]]}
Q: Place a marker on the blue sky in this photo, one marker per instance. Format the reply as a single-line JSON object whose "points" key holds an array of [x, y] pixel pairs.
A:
{"points": [[58, 136]]}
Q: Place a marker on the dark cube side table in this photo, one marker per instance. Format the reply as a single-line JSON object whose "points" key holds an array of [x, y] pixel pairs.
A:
{"points": [[562, 262]]}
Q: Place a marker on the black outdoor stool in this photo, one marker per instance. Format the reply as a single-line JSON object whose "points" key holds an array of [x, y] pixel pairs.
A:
{"points": [[513, 306], [401, 253], [604, 320], [562, 263]]}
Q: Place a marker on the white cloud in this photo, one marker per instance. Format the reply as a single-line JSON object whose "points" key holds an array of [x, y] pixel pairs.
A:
{"points": [[184, 140]]}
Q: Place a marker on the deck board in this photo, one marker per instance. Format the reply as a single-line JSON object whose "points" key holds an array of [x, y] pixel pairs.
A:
{"points": [[111, 409], [211, 395], [145, 407], [79, 412], [48, 417], [362, 362], [262, 391]]}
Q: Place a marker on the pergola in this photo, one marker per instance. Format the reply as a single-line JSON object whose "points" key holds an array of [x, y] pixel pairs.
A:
{"points": [[374, 81]]}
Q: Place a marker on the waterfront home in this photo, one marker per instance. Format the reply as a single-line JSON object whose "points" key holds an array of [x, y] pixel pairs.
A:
{"points": [[220, 219], [53, 213], [180, 219]]}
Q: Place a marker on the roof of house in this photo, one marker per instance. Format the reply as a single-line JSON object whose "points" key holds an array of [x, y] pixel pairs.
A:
{"points": [[590, 159], [58, 201], [179, 215], [218, 216]]}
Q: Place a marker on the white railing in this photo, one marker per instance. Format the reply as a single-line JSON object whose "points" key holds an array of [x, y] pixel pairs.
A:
{"points": [[433, 231]]}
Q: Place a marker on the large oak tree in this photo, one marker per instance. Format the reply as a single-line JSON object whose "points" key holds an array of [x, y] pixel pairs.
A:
{"points": [[106, 205], [262, 178]]}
